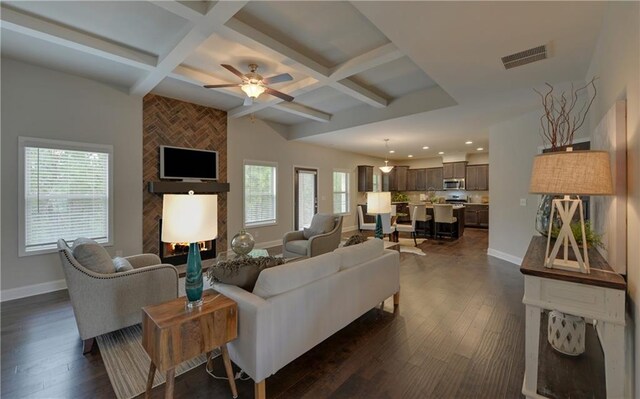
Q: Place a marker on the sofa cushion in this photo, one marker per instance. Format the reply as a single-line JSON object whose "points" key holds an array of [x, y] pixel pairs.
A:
{"points": [[93, 256], [290, 276], [357, 254], [320, 224], [297, 246], [121, 264], [243, 271]]}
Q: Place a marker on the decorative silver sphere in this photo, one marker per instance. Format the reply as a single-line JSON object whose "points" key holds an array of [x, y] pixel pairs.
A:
{"points": [[242, 243]]}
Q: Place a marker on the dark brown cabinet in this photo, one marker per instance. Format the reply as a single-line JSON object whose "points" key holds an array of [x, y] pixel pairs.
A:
{"points": [[477, 178], [412, 180], [454, 170], [396, 180], [365, 178], [421, 179], [476, 215], [434, 179]]}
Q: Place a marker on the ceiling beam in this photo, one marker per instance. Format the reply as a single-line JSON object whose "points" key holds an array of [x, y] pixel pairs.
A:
{"points": [[253, 38], [304, 111], [371, 59], [70, 38], [202, 28], [179, 9]]}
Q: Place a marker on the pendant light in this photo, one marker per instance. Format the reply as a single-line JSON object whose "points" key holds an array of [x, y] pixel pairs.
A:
{"points": [[386, 168]]}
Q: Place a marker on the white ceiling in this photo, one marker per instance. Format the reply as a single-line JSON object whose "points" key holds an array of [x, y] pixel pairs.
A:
{"points": [[418, 73]]}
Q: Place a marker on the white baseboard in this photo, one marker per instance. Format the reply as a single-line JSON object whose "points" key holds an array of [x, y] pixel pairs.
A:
{"points": [[31, 290], [350, 228], [504, 256]]}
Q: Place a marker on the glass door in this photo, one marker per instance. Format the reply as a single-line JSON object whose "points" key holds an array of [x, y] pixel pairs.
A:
{"points": [[306, 196]]}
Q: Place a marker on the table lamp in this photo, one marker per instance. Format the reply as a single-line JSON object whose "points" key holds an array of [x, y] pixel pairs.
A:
{"points": [[379, 202], [190, 218], [570, 173]]}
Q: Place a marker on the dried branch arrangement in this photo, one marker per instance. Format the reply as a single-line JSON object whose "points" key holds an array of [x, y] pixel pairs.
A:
{"points": [[561, 119]]}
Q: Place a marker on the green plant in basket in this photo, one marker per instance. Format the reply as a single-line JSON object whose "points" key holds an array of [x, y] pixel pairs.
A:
{"points": [[399, 197], [593, 239]]}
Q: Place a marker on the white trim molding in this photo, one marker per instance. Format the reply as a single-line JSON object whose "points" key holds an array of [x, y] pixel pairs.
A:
{"points": [[31, 290], [504, 256]]}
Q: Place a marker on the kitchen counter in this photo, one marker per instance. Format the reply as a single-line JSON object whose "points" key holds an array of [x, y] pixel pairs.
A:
{"points": [[477, 203]]}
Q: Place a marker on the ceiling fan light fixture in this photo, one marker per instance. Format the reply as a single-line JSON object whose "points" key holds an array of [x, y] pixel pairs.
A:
{"points": [[253, 90]]}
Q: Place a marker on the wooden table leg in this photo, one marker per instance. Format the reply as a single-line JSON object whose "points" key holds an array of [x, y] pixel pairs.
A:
{"points": [[532, 348], [171, 381], [612, 336], [152, 373], [259, 390], [229, 369]]}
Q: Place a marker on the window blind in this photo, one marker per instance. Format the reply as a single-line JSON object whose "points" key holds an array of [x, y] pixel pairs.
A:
{"points": [[259, 194], [66, 196], [340, 192]]}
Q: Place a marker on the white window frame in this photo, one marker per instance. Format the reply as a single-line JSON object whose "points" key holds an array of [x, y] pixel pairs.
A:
{"points": [[348, 192], [62, 145], [275, 193]]}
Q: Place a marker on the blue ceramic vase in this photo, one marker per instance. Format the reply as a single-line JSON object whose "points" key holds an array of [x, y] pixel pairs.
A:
{"points": [[193, 280]]}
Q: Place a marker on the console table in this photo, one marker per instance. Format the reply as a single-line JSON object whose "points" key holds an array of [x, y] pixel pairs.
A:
{"points": [[599, 296]]}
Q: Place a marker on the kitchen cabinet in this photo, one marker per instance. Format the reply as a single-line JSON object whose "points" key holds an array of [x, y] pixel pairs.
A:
{"points": [[416, 180], [365, 178], [454, 170], [477, 178], [434, 178], [476, 215], [396, 180]]}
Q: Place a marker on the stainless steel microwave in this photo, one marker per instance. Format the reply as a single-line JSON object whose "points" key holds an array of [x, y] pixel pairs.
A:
{"points": [[453, 184]]}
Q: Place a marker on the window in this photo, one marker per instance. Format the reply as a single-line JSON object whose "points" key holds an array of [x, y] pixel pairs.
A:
{"points": [[376, 182], [260, 193], [66, 192], [340, 192]]}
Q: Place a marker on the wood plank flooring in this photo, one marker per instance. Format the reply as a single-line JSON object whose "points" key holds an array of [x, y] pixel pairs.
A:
{"points": [[458, 333]]}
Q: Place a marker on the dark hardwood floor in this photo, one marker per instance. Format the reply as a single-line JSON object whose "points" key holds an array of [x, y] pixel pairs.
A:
{"points": [[458, 333]]}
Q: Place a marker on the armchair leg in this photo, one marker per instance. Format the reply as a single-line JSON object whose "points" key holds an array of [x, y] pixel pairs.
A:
{"points": [[413, 234], [87, 345], [396, 299], [260, 391]]}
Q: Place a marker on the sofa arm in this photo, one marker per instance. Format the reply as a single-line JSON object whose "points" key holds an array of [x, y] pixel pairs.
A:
{"points": [[252, 349], [292, 236], [323, 243], [143, 260], [108, 302]]}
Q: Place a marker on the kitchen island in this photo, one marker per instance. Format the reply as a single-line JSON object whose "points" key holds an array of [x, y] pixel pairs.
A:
{"points": [[458, 213]]}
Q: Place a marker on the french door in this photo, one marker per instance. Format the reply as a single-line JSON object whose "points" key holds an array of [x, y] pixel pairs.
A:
{"points": [[306, 196]]}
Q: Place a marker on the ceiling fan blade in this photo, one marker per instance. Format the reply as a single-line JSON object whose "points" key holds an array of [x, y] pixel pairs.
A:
{"points": [[248, 101], [221, 86], [233, 70], [283, 77], [278, 94]]}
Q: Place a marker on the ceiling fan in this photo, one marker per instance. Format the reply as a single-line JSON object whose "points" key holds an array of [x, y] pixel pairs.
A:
{"points": [[253, 84]]}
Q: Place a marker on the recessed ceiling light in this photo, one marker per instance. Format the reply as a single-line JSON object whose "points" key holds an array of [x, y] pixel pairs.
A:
{"points": [[410, 156], [391, 152], [441, 152], [468, 142], [479, 149], [425, 147]]}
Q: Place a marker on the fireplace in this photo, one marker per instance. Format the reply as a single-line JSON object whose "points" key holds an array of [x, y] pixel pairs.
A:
{"points": [[176, 253]]}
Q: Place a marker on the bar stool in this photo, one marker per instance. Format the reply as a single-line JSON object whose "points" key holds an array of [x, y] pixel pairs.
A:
{"points": [[443, 214]]}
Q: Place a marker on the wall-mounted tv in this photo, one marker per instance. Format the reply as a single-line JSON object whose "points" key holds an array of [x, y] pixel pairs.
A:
{"points": [[188, 163]]}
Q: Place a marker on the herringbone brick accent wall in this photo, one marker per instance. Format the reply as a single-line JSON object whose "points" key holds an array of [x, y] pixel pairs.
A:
{"points": [[172, 122]]}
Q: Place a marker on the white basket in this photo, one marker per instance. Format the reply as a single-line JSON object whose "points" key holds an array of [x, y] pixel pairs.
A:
{"points": [[566, 333]]}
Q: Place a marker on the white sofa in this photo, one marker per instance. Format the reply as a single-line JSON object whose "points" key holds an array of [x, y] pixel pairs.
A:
{"points": [[295, 306]]}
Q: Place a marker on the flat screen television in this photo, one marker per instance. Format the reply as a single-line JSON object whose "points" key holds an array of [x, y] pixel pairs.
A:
{"points": [[188, 163]]}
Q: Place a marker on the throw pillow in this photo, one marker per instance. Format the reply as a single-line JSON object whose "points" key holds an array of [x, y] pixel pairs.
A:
{"points": [[242, 271], [320, 224], [355, 239], [93, 256], [121, 264]]}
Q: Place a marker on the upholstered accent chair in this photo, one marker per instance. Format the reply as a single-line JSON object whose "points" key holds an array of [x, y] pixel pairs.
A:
{"points": [[321, 237], [106, 302]]}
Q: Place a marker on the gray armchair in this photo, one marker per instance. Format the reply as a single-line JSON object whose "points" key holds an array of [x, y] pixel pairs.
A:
{"points": [[108, 302], [295, 244]]}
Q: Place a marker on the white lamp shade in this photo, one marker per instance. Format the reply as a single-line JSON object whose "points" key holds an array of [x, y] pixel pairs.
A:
{"points": [[379, 202], [189, 218], [253, 90]]}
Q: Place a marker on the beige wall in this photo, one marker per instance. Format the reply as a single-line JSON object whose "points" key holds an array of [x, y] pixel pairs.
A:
{"points": [[257, 140], [39, 102], [616, 61]]}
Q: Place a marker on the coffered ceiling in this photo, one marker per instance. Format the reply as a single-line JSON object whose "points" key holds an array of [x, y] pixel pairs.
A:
{"points": [[419, 73]]}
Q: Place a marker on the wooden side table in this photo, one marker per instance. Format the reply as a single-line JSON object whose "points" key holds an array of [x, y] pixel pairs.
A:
{"points": [[599, 296], [172, 334]]}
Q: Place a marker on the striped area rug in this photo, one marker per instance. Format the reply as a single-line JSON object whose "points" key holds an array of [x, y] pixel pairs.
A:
{"points": [[127, 363]]}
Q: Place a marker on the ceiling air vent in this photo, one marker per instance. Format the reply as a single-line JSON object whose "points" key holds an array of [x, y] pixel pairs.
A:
{"points": [[525, 57]]}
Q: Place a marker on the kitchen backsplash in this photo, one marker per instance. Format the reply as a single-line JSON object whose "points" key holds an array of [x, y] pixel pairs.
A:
{"points": [[414, 196]]}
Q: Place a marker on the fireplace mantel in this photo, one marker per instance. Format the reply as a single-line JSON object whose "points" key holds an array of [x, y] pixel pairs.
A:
{"points": [[175, 187]]}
